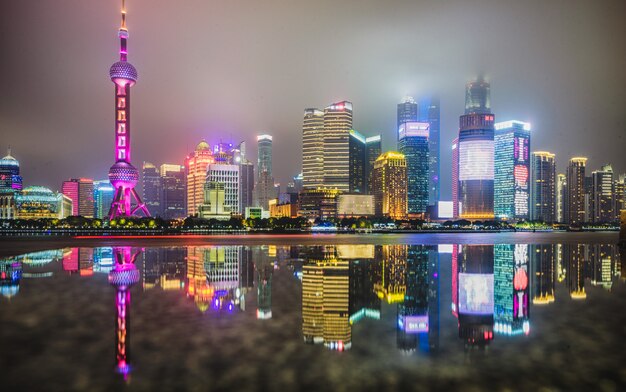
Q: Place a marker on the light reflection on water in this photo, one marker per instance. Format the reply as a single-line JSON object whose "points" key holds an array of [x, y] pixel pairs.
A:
{"points": [[480, 292]]}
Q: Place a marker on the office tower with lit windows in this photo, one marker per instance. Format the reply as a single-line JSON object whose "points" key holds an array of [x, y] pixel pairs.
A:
{"points": [[151, 185], [476, 153], [512, 170], [429, 111], [561, 197], [407, 112], [413, 144], [246, 184], [373, 149], [543, 187], [227, 174], [10, 179], [123, 175], [390, 185], [575, 194], [357, 162], [103, 194], [173, 188], [80, 191], [336, 157], [265, 181], [620, 194], [196, 165], [313, 149], [603, 195], [456, 208]]}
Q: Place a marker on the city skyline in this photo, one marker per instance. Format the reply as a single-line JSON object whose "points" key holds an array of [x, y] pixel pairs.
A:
{"points": [[536, 90]]}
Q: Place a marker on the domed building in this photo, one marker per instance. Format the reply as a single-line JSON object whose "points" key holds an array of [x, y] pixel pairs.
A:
{"points": [[36, 202], [10, 179]]}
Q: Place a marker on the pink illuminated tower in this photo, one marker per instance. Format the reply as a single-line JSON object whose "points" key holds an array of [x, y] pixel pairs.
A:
{"points": [[123, 175]]}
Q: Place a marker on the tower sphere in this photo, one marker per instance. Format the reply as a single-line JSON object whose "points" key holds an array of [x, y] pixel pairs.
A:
{"points": [[123, 70], [123, 174]]}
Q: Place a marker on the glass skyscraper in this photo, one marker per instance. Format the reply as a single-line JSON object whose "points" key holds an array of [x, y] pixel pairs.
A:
{"points": [[103, 193], [313, 149], [543, 187], [363, 152], [413, 143], [575, 194], [476, 154], [151, 184], [512, 170], [407, 112], [429, 112], [337, 126]]}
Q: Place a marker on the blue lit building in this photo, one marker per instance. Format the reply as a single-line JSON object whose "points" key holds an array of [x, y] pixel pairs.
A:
{"points": [[511, 289], [10, 179], [512, 170], [429, 111], [413, 143], [103, 193]]}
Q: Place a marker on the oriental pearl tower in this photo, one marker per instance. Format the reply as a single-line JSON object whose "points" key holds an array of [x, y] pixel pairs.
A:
{"points": [[123, 175]]}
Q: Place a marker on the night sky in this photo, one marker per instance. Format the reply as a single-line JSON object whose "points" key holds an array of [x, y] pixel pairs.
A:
{"points": [[233, 69]]}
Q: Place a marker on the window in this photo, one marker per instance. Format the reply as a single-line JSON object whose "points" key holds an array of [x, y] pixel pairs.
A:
{"points": [[121, 154], [121, 141], [121, 115], [121, 128], [121, 102], [121, 90]]}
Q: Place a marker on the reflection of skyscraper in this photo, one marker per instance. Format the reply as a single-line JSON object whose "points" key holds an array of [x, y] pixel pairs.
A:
{"points": [[573, 258], [511, 289], [603, 259], [265, 270], [542, 262], [413, 321], [10, 276], [475, 294], [363, 269], [325, 300]]}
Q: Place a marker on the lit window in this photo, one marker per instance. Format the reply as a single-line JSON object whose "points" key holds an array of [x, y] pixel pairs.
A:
{"points": [[121, 102], [121, 115], [121, 141], [121, 154], [121, 90], [121, 128]]}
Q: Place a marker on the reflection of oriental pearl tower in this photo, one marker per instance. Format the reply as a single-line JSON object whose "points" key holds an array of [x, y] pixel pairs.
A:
{"points": [[123, 175], [122, 277]]}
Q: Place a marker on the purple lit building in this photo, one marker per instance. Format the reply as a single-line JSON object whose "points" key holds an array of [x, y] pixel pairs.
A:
{"points": [[123, 175]]}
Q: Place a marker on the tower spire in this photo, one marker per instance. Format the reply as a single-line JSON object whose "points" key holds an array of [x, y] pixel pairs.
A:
{"points": [[123, 34]]}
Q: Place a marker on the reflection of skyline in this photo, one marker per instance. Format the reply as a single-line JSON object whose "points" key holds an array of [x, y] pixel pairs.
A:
{"points": [[511, 289]]}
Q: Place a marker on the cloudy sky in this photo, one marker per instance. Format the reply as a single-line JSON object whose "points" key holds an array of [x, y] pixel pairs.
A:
{"points": [[231, 69]]}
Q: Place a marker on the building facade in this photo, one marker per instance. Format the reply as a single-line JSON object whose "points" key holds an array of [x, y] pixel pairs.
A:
{"points": [[313, 149], [265, 182], [196, 166], [151, 185], [561, 197], [173, 189], [575, 194], [390, 185], [103, 193], [407, 112], [413, 143], [80, 191], [336, 157], [512, 170], [603, 195], [228, 175], [455, 178], [543, 187], [429, 111]]}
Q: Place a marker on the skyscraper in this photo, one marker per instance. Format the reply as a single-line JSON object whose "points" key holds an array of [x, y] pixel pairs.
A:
{"points": [[455, 178], [512, 170], [10, 179], [337, 126], [476, 153], [543, 188], [429, 112], [246, 184], [373, 149], [227, 174], [575, 204], [80, 191], [172, 195], [151, 184], [603, 197], [196, 165], [407, 112], [620, 194], [313, 149], [356, 163], [103, 193], [413, 144], [123, 175], [561, 197], [265, 181], [390, 185]]}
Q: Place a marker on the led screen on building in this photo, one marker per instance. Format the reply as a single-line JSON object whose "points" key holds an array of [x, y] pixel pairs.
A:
{"points": [[476, 160], [414, 129], [415, 324], [475, 294]]}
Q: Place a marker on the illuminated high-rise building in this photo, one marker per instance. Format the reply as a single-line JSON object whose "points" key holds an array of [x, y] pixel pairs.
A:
{"points": [[264, 188], [373, 149], [390, 185], [575, 195], [455, 178], [429, 111], [407, 112], [196, 165], [337, 126], [512, 171], [10, 179], [151, 185], [228, 175], [103, 194], [172, 197], [357, 162], [476, 153], [561, 197], [543, 187], [603, 195], [80, 191], [123, 175], [313, 149], [620, 194], [413, 143]]}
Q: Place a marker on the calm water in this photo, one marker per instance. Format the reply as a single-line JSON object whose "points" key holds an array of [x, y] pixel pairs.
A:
{"points": [[332, 317]]}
